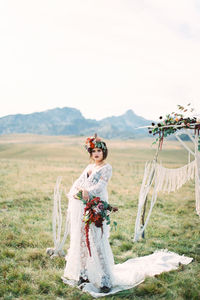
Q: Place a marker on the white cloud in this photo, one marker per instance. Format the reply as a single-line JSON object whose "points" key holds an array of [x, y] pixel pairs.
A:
{"points": [[102, 57]]}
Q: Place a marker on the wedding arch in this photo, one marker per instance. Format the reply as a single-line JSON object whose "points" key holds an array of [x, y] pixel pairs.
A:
{"points": [[158, 178]]}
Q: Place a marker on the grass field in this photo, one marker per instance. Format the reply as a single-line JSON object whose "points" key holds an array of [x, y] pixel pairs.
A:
{"points": [[29, 166]]}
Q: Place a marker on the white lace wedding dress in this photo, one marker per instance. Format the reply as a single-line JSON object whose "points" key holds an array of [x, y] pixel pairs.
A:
{"points": [[100, 268]]}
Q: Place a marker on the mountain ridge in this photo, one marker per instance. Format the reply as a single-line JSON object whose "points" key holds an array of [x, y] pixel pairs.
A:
{"points": [[70, 121]]}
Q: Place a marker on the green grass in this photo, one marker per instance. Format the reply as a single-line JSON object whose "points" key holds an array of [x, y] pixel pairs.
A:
{"points": [[29, 166]]}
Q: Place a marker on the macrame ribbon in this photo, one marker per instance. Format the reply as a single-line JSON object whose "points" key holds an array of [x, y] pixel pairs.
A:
{"points": [[165, 180], [57, 223]]}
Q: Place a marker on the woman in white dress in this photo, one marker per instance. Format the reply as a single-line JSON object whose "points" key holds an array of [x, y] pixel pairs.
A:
{"points": [[93, 181], [97, 273]]}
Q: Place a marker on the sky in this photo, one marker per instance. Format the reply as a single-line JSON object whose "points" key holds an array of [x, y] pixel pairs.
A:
{"points": [[102, 57]]}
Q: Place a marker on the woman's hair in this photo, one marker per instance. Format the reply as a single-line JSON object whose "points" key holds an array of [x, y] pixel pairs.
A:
{"points": [[104, 150]]}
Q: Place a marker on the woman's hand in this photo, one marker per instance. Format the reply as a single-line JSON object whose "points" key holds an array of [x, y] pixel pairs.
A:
{"points": [[85, 195]]}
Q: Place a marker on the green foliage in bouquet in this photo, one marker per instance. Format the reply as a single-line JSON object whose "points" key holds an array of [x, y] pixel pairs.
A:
{"points": [[95, 210]]}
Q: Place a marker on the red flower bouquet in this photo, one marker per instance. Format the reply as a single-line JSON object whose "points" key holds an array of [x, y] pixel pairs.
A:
{"points": [[95, 211]]}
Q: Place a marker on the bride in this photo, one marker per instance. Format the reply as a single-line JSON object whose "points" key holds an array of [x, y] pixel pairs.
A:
{"points": [[93, 181], [97, 272]]}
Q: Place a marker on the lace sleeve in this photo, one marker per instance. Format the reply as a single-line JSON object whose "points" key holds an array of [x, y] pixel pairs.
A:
{"points": [[104, 176], [78, 183]]}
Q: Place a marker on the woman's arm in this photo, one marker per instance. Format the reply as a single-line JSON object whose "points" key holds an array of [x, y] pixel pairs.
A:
{"points": [[78, 184]]}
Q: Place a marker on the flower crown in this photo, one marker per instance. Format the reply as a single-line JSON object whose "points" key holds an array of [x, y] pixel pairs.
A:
{"points": [[94, 142]]}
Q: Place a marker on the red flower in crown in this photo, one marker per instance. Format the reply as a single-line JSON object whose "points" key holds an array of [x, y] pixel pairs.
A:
{"points": [[90, 142], [92, 145]]}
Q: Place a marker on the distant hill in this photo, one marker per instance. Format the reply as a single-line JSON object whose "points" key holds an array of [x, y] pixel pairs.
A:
{"points": [[70, 121]]}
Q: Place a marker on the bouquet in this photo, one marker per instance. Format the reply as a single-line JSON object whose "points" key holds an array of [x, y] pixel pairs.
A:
{"points": [[95, 211]]}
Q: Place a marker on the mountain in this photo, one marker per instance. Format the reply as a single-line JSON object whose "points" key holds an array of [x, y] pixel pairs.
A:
{"points": [[70, 121], [125, 125]]}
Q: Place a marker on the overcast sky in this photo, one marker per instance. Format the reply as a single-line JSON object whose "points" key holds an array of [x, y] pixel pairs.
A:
{"points": [[102, 57]]}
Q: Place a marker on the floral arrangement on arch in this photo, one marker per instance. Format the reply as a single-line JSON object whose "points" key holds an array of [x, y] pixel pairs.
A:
{"points": [[173, 122]]}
